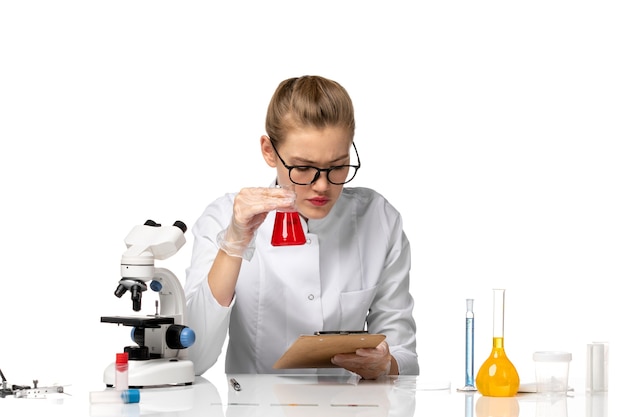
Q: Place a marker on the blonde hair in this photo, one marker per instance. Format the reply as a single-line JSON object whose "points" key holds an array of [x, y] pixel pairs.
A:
{"points": [[308, 101]]}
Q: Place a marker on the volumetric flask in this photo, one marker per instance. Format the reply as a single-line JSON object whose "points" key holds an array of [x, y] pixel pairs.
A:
{"points": [[497, 377]]}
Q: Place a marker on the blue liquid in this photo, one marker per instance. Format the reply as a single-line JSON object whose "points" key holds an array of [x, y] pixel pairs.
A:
{"points": [[469, 351]]}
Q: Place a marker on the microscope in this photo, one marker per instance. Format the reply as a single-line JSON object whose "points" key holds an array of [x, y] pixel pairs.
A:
{"points": [[158, 357]]}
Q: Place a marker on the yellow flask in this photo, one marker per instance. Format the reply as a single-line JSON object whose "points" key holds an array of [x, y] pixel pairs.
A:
{"points": [[497, 377]]}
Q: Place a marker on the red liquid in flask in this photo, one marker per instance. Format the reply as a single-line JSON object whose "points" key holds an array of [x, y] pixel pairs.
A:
{"points": [[288, 229]]}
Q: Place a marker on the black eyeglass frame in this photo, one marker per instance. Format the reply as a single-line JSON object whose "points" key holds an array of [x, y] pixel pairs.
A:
{"points": [[319, 170]]}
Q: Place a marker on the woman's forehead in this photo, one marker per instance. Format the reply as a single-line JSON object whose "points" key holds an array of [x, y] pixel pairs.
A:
{"points": [[317, 145]]}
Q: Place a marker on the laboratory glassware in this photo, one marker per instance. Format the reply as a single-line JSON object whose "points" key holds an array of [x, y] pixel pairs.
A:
{"points": [[125, 396], [597, 367], [287, 226], [497, 376], [121, 371], [469, 346]]}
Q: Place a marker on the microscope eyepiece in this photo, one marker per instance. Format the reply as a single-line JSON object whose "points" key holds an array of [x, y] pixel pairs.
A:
{"points": [[182, 226]]}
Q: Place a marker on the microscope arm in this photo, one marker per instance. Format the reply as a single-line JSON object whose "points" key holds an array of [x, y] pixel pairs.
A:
{"points": [[171, 295]]}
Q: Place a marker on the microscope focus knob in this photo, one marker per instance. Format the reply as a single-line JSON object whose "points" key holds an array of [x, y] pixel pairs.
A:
{"points": [[178, 336]]}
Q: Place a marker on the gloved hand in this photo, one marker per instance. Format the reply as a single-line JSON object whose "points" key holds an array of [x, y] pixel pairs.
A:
{"points": [[250, 209], [370, 363]]}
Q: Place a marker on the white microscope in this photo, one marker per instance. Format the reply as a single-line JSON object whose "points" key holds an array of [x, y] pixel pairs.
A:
{"points": [[159, 356]]}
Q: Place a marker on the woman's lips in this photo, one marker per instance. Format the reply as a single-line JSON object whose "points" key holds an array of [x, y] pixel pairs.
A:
{"points": [[318, 201]]}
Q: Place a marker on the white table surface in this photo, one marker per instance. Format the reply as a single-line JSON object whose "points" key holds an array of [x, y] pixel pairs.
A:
{"points": [[311, 395]]}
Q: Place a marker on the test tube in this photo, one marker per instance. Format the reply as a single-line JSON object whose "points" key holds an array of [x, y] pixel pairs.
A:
{"points": [[127, 396], [597, 367], [121, 371]]}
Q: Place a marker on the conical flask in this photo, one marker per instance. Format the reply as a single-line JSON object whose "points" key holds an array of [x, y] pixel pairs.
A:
{"points": [[287, 226], [497, 377]]}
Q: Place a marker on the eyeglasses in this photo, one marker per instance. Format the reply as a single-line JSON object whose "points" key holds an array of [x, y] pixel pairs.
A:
{"points": [[306, 175]]}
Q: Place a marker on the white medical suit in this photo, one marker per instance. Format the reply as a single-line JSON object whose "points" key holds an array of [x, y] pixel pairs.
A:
{"points": [[352, 274]]}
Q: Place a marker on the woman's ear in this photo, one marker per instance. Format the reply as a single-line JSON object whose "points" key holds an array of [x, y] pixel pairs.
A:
{"points": [[268, 151]]}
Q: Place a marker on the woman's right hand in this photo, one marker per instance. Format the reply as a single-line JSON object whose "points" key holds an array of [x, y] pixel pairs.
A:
{"points": [[250, 209]]}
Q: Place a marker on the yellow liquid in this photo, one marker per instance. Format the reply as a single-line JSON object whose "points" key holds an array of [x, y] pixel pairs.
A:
{"points": [[497, 377]]}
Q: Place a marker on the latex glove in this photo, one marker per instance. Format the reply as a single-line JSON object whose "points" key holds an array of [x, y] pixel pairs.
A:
{"points": [[370, 363], [250, 209]]}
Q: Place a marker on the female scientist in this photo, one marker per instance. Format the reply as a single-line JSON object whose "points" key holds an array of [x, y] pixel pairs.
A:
{"points": [[351, 274]]}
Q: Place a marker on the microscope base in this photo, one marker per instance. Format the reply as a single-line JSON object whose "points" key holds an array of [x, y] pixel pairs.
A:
{"points": [[154, 372]]}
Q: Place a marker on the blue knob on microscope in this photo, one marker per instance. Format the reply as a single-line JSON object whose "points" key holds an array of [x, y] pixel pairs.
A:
{"points": [[179, 336], [187, 337]]}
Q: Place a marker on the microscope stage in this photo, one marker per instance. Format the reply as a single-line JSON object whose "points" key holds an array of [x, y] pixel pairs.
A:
{"points": [[136, 321]]}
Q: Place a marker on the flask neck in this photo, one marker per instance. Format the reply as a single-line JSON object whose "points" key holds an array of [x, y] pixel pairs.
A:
{"points": [[498, 314], [498, 342]]}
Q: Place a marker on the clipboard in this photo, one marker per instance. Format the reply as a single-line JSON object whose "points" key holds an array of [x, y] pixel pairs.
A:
{"points": [[315, 351]]}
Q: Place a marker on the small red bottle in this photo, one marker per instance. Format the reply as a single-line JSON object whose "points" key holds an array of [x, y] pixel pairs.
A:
{"points": [[121, 371]]}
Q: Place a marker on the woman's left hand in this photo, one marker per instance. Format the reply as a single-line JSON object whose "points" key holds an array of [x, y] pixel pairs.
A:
{"points": [[370, 363]]}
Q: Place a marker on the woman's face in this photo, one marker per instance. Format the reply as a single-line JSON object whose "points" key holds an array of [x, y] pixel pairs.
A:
{"points": [[320, 148]]}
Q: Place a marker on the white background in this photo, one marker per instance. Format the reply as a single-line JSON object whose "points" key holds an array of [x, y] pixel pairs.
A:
{"points": [[496, 128]]}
